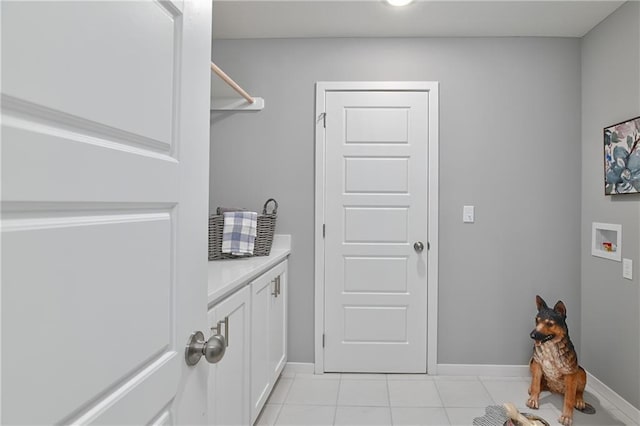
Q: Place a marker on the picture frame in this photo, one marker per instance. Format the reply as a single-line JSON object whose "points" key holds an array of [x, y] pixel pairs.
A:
{"points": [[622, 157]]}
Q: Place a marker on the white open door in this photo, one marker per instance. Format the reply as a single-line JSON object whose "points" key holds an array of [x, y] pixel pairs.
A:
{"points": [[375, 193], [105, 121]]}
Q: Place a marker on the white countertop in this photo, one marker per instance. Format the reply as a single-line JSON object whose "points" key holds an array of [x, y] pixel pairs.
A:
{"points": [[228, 275]]}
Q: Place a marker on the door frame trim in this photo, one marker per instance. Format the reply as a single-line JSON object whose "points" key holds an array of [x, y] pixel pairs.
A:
{"points": [[322, 87]]}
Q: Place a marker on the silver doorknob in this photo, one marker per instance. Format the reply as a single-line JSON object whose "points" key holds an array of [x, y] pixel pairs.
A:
{"points": [[418, 246], [212, 349]]}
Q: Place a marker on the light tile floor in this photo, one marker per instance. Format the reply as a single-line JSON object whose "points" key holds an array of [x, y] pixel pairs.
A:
{"points": [[400, 399]]}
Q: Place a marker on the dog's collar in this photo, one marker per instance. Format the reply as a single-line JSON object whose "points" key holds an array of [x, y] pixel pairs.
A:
{"points": [[547, 338]]}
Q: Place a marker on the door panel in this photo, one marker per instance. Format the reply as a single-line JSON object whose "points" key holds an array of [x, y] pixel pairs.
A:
{"points": [[376, 125], [363, 175], [375, 274], [376, 224], [104, 125], [69, 52], [85, 302], [370, 324], [375, 209]]}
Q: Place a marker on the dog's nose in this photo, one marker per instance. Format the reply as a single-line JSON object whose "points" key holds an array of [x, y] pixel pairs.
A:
{"points": [[534, 335]]}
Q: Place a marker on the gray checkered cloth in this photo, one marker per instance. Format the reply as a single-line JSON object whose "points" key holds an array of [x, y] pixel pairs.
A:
{"points": [[495, 415], [239, 232]]}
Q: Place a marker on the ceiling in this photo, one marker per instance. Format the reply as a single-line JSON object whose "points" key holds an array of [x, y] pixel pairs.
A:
{"points": [[240, 19]]}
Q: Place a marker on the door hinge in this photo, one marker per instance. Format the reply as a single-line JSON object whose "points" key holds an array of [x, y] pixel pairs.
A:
{"points": [[323, 340], [323, 117], [324, 230]]}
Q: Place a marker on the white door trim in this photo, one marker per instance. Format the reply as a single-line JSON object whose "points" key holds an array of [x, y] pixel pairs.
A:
{"points": [[432, 201]]}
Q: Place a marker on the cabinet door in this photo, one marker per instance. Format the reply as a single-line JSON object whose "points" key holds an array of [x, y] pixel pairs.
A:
{"points": [[278, 321], [268, 333], [229, 380], [261, 299]]}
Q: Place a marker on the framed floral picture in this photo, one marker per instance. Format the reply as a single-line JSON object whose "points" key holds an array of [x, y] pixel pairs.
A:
{"points": [[622, 158]]}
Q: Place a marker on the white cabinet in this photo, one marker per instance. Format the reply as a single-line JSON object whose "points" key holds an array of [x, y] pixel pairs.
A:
{"points": [[255, 315], [268, 333], [229, 379]]}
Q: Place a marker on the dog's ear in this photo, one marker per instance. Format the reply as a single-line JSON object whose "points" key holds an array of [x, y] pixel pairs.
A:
{"points": [[540, 303], [560, 308]]}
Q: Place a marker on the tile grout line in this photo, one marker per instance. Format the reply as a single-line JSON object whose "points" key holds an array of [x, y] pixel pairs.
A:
{"points": [[286, 396], [487, 391], [446, 413], [386, 381], [275, 420], [335, 411]]}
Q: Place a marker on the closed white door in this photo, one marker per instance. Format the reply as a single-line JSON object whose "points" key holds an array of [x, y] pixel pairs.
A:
{"points": [[104, 210], [376, 221]]}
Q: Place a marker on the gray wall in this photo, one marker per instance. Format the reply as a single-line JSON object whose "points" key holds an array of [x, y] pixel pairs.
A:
{"points": [[610, 304], [509, 144]]}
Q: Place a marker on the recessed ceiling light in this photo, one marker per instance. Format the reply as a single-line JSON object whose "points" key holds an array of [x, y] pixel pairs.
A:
{"points": [[398, 2]]}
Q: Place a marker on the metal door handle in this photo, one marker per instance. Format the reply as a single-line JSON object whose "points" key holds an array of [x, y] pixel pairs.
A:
{"points": [[418, 246], [212, 349]]}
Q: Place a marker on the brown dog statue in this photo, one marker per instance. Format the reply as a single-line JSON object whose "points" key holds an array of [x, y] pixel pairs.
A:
{"points": [[554, 365]]}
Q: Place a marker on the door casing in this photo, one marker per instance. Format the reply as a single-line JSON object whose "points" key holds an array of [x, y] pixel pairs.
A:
{"points": [[432, 200]]}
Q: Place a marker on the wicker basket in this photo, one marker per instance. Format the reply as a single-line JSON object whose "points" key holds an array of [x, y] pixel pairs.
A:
{"points": [[264, 238]]}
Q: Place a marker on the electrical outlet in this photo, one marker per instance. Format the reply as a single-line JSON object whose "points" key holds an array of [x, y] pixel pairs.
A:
{"points": [[627, 269]]}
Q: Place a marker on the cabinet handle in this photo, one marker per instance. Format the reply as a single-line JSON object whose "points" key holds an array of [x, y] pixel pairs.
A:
{"points": [[274, 293], [226, 330], [278, 284], [217, 330]]}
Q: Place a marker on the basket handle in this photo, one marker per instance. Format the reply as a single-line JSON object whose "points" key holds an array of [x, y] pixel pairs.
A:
{"points": [[275, 209]]}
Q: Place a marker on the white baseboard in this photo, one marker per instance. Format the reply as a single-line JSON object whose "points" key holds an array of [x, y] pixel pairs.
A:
{"points": [[616, 400], [442, 369], [483, 370], [298, 367]]}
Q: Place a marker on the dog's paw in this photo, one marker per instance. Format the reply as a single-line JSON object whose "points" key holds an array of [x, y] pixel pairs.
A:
{"points": [[580, 404], [533, 403], [565, 420]]}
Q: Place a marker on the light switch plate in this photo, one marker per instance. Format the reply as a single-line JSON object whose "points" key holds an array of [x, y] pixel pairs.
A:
{"points": [[627, 269], [468, 214]]}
